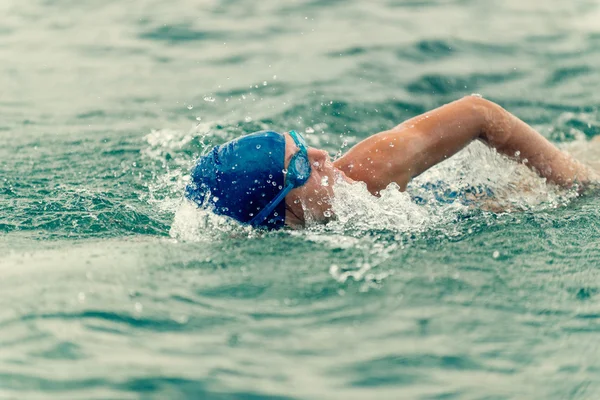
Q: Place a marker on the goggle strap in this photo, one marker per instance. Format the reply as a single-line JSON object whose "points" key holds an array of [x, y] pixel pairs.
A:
{"points": [[261, 216]]}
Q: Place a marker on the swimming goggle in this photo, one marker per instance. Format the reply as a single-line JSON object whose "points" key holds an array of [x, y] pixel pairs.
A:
{"points": [[297, 174]]}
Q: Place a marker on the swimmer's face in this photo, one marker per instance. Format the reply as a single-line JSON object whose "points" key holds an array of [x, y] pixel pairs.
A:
{"points": [[311, 201]]}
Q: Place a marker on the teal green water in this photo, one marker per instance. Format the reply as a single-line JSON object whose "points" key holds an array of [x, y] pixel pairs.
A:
{"points": [[111, 287]]}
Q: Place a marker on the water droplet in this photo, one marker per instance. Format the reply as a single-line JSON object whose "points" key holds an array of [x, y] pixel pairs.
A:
{"points": [[210, 99], [198, 119], [496, 254], [248, 118], [391, 144], [189, 107], [274, 183], [517, 153], [257, 146], [284, 171], [81, 297], [138, 307], [309, 130], [325, 181], [265, 83], [327, 214], [215, 199]]}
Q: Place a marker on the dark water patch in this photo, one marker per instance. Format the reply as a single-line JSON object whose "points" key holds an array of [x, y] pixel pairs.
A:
{"points": [[308, 6], [546, 39], [92, 114], [441, 48], [564, 75], [154, 386], [181, 34], [388, 378], [22, 382], [593, 43], [443, 396], [244, 290], [402, 370], [563, 134], [539, 105], [584, 293], [255, 91], [232, 60], [355, 51], [588, 316], [438, 288], [176, 387], [100, 116], [416, 3], [123, 320], [447, 85], [427, 50], [62, 351], [349, 52], [95, 50], [162, 59]]}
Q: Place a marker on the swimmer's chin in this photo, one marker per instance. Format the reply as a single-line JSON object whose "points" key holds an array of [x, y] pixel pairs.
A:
{"points": [[292, 222]]}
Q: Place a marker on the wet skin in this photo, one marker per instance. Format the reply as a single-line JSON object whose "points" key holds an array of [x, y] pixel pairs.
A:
{"points": [[409, 149]]}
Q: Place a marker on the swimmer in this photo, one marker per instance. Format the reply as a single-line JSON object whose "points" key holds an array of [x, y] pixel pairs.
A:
{"points": [[271, 180]]}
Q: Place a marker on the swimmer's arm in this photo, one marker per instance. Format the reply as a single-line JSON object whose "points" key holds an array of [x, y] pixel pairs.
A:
{"points": [[412, 147]]}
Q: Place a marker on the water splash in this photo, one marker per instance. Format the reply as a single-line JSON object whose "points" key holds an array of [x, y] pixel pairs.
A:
{"points": [[359, 212], [193, 224], [514, 188]]}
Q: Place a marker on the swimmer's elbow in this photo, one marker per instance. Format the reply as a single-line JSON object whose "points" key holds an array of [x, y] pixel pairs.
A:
{"points": [[495, 124]]}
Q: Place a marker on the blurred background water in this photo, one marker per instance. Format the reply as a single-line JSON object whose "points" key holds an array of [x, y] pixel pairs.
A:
{"points": [[111, 287]]}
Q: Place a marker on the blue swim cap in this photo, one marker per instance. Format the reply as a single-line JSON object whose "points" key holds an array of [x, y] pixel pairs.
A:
{"points": [[239, 178]]}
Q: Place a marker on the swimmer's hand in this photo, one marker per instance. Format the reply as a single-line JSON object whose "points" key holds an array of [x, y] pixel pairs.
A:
{"points": [[400, 154]]}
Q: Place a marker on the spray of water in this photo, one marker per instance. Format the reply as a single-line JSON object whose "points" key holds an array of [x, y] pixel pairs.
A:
{"points": [[514, 188]]}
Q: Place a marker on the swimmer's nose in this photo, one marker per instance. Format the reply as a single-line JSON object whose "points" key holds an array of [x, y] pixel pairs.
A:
{"points": [[317, 157]]}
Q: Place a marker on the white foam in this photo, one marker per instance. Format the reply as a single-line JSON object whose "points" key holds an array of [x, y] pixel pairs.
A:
{"points": [[193, 224]]}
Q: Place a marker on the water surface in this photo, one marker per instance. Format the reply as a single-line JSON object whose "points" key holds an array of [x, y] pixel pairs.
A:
{"points": [[112, 288]]}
